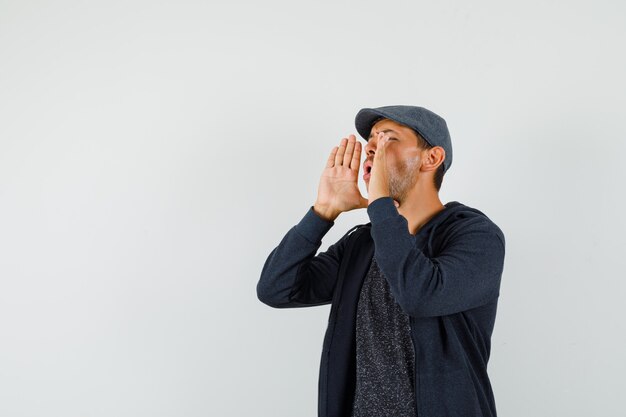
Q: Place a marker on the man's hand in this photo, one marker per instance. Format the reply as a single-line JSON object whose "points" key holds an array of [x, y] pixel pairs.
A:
{"points": [[379, 176], [338, 189]]}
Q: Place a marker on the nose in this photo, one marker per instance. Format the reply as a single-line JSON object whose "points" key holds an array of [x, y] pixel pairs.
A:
{"points": [[369, 148], [372, 144]]}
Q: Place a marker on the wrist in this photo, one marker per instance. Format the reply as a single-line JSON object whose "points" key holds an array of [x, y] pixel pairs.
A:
{"points": [[325, 212]]}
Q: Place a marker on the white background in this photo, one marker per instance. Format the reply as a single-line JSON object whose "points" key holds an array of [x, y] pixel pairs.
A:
{"points": [[153, 153]]}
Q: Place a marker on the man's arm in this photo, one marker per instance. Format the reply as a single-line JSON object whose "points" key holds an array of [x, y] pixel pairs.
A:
{"points": [[466, 274], [293, 276]]}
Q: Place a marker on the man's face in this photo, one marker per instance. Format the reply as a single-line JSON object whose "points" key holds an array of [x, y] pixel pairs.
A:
{"points": [[403, 157]]}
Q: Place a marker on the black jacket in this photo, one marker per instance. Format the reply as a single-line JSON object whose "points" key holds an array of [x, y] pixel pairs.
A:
{"points": [[446, 278]]}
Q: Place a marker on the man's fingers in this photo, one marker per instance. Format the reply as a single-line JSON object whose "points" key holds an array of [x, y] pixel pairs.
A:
{"points": [[331, 158], [356, 157], [340, 152], [349, 151], [380, 148]]}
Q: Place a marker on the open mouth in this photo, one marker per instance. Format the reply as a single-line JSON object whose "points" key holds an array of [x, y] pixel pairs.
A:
{"points": [[367, 170]]}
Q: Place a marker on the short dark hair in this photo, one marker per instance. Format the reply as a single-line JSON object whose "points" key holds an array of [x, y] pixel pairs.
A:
{"points": [[438, 178], [422, 144]]}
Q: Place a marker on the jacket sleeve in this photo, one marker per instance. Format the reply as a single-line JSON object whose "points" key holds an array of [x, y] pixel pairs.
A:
{"points": [[465, 274], [293, 275]]}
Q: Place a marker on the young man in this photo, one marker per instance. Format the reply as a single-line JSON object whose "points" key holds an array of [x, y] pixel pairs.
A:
{"points": [[413, 293]]}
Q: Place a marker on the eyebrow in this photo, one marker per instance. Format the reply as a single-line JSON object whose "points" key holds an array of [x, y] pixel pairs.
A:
{"points": [[384, 131]]}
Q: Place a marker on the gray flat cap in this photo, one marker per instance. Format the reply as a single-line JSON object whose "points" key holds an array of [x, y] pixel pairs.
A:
{"points": [[430, 126]]}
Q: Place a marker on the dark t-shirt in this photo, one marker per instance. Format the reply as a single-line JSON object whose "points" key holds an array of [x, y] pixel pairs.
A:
{"points": [[384, 352]]}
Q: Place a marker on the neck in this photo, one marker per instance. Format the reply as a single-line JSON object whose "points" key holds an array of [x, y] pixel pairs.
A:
{"points": [[419, 207]]}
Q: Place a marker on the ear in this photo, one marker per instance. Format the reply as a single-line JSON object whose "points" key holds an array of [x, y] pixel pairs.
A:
{"points": [[434, 157]]}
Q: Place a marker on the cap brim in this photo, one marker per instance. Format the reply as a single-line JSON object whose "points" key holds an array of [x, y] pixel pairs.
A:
{"points": [[365, 119]]}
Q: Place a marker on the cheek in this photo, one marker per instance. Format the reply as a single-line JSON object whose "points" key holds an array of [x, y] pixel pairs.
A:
{"points": [[407, 162], [412, 164], [393, 159]]}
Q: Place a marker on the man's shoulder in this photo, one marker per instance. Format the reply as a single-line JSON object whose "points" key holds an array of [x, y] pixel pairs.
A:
{"points": [[468, 219]]}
